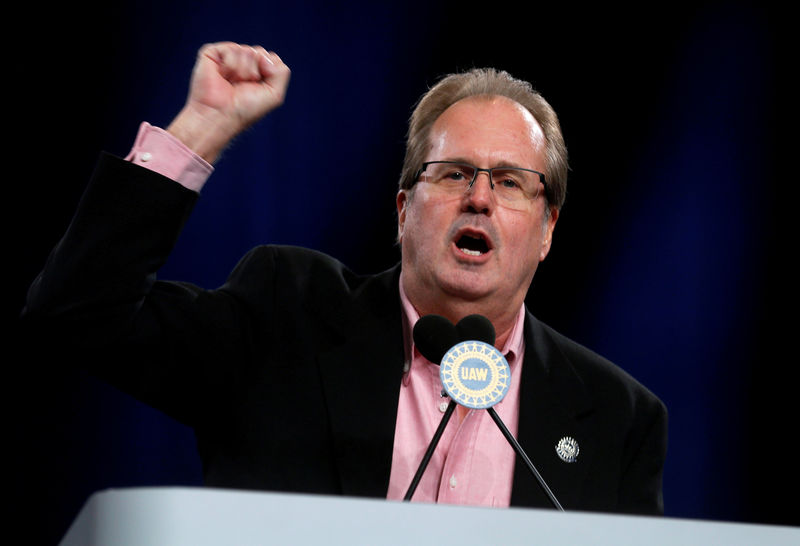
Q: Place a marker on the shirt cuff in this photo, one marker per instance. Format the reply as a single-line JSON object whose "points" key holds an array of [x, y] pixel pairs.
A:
{"points": [[159, 151]]}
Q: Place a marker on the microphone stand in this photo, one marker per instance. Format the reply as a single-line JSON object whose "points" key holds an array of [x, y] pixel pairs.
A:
{"points": [[511, 440], [519, 451], [431, 447]]}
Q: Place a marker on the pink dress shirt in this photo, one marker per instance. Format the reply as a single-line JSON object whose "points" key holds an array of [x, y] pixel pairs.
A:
{"points": [[473, 463]]}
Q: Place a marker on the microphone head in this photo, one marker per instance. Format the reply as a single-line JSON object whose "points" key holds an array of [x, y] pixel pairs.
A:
{"points": [[475, 328], [434, 335]]}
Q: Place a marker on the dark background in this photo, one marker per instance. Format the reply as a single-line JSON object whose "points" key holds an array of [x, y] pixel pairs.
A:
{"points": [[672, 256]]}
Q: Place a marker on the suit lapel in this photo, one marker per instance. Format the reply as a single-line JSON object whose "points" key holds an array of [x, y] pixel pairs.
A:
{"points": [[361, 378], [554, 404]]}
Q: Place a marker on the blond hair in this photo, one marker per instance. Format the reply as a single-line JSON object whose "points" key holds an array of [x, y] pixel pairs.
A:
{"points": [[486, 82]]}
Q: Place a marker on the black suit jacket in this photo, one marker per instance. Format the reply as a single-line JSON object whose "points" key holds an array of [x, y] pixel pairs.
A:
{"points": [[290, 372]]}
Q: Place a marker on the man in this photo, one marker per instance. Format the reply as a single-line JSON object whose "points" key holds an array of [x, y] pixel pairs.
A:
{"points": [[299, 375]]}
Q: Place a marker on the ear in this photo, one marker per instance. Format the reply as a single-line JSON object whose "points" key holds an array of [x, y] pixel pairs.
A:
{"points": [[401, 202], [547, 236]]}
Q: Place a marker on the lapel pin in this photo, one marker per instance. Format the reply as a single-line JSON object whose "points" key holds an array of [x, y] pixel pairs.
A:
{"points": [[568, 449]]}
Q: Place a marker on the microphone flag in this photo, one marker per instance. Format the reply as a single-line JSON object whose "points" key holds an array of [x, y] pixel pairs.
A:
{"points": [[475, 374]]}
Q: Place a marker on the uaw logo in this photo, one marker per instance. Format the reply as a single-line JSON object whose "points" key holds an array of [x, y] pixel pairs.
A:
{"points": [[475, 374]]}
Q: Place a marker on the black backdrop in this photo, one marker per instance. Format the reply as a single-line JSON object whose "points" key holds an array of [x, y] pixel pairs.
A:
{"points": [[671, 257]]}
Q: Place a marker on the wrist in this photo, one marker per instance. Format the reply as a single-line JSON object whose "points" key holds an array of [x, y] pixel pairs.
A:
{"points": [[207, 132]]}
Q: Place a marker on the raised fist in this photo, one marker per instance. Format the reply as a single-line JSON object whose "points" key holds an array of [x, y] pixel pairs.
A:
{"points": [[232, 87]]}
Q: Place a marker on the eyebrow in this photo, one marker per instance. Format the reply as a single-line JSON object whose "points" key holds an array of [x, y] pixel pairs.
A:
{"points": [[501, 165]]}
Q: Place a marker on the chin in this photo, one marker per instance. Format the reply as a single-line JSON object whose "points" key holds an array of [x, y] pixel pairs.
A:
{"points": [[469, 288]]}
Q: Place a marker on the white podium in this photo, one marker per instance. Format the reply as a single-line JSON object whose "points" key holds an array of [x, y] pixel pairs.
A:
{"points": [[200, 516]]}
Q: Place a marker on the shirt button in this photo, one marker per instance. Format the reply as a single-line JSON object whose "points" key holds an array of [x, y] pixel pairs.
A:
{"points": [[146, 156], [453, 482], [443, 407]]}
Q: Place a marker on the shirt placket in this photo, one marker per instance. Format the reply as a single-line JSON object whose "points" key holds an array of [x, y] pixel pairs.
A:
{"points": [[437, 408], [454, 482]]}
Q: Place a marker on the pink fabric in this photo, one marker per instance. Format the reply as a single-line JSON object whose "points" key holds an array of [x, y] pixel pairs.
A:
{"points": [[159, 151], [473, 463]]}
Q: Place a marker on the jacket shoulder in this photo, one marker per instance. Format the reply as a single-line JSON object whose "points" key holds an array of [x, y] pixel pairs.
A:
{"points": [[600, 376], [291, 279]]}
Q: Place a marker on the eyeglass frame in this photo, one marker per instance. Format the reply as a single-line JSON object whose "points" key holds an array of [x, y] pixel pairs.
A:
{"points": [[478, 170]]}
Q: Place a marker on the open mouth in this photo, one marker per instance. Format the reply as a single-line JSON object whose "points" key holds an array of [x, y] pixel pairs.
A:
{"points": [[472, 245]]}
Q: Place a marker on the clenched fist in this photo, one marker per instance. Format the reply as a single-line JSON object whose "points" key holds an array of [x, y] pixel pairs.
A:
{"points": [[232, 87]]}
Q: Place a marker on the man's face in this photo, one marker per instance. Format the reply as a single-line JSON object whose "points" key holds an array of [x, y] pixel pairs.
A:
{"points": [[443, 271]]}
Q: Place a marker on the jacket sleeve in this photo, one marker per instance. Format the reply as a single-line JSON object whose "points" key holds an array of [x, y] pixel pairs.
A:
{"points": [[97, 298]]}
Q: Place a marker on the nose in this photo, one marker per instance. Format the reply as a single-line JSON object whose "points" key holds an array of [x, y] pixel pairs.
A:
{"points": [[479, 197]]}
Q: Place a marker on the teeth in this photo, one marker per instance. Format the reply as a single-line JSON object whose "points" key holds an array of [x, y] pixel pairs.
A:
{"points": [[471, 252]]}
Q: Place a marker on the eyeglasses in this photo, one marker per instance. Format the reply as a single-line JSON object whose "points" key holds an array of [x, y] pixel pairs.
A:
{"points": [[513, 186]]}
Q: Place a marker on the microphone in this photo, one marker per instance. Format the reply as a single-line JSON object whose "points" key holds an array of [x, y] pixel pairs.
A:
{"points": [[475, 327], [466, 356], [434, 335]]}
